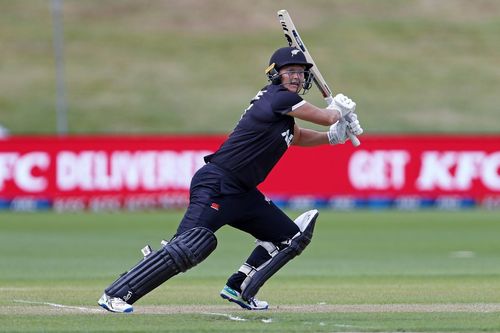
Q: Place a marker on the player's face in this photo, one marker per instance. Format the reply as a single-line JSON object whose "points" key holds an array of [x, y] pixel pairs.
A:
{"points": [[292, 77]]}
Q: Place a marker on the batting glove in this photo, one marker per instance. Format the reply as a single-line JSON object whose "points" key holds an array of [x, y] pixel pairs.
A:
{"points": [[339, 132], [343, 104], [353, 125]]}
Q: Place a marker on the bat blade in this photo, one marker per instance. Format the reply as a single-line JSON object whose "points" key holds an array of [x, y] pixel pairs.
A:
{"points": [[293, 38]]}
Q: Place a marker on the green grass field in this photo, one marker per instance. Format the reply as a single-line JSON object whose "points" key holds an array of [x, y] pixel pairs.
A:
{"points": [[431, 271]]}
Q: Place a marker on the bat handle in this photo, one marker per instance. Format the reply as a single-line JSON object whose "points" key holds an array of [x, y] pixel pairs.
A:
{"points": [[354, 139]]}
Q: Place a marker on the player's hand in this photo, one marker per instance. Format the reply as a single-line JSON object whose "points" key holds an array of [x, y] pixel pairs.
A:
{"points": [[337, 133], [353, 124], [343, 104]]}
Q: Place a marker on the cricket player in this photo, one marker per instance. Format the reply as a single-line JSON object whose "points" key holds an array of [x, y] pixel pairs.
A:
{"points": [[224, 191]]}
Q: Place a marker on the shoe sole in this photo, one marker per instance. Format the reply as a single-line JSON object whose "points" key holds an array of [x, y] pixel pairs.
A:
{"points": [[243, 305]]}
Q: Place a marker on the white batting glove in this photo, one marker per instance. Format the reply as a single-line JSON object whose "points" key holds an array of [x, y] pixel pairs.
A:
{"points": [[339, 132], [343, 104], [353, 125]]}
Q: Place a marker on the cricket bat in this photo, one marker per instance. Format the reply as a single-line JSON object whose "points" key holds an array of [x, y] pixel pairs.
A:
{"points": [[293, 38]]}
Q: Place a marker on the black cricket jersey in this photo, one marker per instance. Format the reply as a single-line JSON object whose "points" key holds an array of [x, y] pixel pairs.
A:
{"points": [[261, 137]]}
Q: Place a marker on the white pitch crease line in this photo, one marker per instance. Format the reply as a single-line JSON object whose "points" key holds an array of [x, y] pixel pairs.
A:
{"points": [[57, 305], [230, 317], [225, 315]]}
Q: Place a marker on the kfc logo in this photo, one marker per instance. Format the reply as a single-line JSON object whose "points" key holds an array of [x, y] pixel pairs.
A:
{"points": [[25, 171]]}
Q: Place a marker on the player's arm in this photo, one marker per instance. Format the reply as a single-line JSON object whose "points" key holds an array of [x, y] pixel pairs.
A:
{"points": [[313, 114], [338, 133], [307, 137], [339, 108]]}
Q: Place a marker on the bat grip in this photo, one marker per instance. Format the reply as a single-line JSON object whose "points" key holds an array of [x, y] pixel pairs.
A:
{"points": [[354, 139]]}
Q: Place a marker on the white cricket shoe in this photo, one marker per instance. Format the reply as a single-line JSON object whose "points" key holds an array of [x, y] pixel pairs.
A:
{"points": [[233, 296], [114, 304]]}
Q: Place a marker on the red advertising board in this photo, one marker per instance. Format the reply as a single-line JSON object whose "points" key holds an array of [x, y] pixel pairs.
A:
{"points": [[155, 171], [394, 165]]}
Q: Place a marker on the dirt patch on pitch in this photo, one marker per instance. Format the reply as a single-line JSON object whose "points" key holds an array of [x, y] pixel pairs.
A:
{"points": [[325, 308], [59, 309], [423, 308]]}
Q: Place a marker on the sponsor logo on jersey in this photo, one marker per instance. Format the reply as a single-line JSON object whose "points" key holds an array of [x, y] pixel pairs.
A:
{"points": [[288, 137]]}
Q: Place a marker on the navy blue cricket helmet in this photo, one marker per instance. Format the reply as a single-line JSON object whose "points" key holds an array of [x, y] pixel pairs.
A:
{"points": [[288, 56]]}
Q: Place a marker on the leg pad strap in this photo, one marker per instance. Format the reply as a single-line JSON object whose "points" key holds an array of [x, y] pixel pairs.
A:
{"points": [[256, 277], [180, 254]]}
